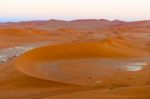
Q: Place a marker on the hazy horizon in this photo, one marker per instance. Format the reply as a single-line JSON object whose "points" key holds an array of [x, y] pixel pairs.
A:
{"points": [[27, 10], [2, 20]]}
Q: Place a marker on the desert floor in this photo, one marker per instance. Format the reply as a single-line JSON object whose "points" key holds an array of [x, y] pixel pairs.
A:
{"points": [[20, 80]]}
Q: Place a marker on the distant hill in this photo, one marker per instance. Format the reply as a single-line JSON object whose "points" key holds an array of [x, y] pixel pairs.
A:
{"points": [[84, 24]]}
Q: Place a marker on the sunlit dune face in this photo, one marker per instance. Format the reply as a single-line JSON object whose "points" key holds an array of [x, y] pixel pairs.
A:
{"points": [[71, 63]]}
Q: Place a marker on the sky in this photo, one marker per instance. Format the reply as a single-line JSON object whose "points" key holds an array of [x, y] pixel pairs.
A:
{"points": [[22, 10]]}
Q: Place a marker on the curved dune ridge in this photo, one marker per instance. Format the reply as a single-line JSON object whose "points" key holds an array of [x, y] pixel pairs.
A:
{"points": [[77, 63]]}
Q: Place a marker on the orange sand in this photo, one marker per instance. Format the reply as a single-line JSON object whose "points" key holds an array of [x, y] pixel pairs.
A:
{"points": [[31, 62], [100, 39]]}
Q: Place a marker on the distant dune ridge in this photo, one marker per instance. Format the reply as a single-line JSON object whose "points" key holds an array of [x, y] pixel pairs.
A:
{"points": [[76, 29], [78, 24]]}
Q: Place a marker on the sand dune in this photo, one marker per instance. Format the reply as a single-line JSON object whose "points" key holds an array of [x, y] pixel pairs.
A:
{"points": [[97, 59], [71, 63]]}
